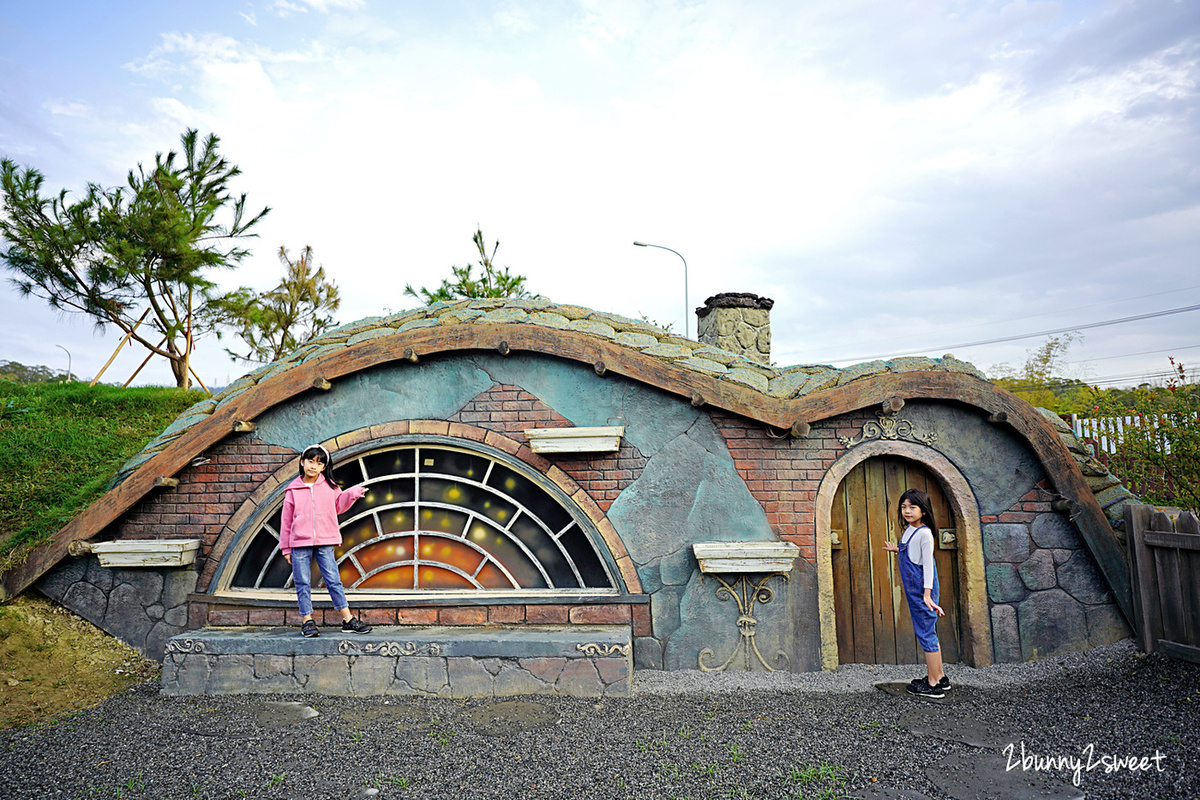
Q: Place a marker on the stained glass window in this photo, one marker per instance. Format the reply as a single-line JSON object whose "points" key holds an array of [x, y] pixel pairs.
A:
{"points": [[441, 518]]}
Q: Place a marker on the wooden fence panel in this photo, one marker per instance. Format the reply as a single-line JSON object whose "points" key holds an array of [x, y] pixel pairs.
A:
{"points": [[1165, 568]]}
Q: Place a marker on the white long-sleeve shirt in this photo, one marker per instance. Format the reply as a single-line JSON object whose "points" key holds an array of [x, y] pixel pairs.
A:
{"points": [[920, 551]]}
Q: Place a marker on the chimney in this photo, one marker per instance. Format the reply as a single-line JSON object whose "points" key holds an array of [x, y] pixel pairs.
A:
{"points": [[739, 322]]}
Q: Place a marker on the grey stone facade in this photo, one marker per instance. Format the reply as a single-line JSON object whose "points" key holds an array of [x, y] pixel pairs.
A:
{"points": [[737, 322], [141, 607], [1047, 597], [578, 661]]}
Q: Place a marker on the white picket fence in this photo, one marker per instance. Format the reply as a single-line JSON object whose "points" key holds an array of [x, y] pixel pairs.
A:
{"points": [[1107, 433]]}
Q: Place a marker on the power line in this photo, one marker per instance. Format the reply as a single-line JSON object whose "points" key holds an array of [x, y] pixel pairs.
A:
{"points": [[1062, 383], [1130, 355], [1000, 339], [1060, 311]]}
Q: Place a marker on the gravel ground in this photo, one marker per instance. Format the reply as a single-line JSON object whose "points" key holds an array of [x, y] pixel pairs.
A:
{"points": [[683, 734]]}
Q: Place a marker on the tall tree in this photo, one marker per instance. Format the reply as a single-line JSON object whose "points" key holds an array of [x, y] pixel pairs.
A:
{"points": [[494, 282], [134, 256], [295, 312]]}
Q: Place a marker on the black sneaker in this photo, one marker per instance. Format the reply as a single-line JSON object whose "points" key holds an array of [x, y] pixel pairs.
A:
{"points": [[943, 684], [355, 625], [309, 629], [922, 689]]}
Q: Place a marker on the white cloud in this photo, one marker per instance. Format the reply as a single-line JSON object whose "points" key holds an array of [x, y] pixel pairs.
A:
{"points": [[285, 8], [66, 109], [851, 160]]}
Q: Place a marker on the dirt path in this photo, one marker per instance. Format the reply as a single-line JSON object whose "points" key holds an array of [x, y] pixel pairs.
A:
{"points": [[52, 663]]}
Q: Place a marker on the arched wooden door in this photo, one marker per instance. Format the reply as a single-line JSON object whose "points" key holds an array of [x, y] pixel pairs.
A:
{"points": [[873, 623]]}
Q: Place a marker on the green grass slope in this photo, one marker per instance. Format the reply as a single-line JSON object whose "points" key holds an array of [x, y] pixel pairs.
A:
{"points": [[61, 444]]}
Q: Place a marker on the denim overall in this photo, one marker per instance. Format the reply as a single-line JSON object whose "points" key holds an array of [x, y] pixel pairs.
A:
{"points": [[924, 620]]}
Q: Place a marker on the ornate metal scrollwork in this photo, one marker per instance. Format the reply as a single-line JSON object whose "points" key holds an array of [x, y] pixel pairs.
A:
{"points": [[745, 595], [889, 427], [185, 646], [592, 650], [347, 647]]}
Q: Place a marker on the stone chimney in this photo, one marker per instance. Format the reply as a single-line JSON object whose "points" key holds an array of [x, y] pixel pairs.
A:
{"points": [[739, 322]]}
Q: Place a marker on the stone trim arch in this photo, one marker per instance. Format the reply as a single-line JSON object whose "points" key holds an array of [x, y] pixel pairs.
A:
{"points": [[977, 624], [364, 437]]}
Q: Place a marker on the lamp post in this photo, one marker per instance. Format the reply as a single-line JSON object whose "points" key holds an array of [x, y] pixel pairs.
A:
{"points": [[68, 352], [686, 309]]}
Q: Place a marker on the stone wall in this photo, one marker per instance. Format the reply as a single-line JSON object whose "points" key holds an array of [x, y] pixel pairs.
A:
{"points": [[587, 661], [1046, 594], [141, 607]]}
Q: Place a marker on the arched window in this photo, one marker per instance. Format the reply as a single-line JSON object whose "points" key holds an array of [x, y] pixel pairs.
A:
{"points": [[437, 517]]}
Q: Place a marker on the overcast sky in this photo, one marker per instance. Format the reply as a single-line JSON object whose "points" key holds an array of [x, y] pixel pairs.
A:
{"points": [[900, 177]]}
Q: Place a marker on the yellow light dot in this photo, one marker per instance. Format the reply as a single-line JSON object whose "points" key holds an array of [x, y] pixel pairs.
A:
{"points": [[427, 549], [453, 493], [445, 553], [501, 514], [510, 484], [388, 497], [427, 514]]}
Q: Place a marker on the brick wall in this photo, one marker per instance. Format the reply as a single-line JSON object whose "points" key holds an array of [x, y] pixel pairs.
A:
{"points": [[510, 410], [1036, 501], [637, 615], [783, 473], [207, 494]]}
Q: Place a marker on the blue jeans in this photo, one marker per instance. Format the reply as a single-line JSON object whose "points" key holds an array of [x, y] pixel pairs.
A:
{"points": [[302, 558]]}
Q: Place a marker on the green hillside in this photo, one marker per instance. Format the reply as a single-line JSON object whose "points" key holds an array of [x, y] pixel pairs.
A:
{"points": [[60, 445]]}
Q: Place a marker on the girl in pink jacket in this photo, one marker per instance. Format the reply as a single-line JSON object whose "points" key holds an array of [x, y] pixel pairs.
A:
{"points": [[309, 530]]}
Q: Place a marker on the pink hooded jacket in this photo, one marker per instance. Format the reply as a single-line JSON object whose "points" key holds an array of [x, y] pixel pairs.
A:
{"points": [[310, 512]]}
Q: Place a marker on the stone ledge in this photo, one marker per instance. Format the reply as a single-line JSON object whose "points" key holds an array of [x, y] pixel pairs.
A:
{"points": [[574, 660]]}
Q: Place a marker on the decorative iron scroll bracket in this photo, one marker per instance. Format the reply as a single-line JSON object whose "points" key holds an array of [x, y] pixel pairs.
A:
{"points": [[594, 650], [347, 647], [889, 427], [745, 591]]}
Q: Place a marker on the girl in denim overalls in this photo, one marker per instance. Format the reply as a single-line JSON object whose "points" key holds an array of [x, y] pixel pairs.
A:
{"points": [[918, 576]]}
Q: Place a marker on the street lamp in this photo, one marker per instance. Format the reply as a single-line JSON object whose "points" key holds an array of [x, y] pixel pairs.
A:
{"points": [[68, 352], [686, 310]]}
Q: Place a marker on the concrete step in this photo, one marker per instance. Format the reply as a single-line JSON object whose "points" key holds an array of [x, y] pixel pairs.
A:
{"points": [[497, 661]]}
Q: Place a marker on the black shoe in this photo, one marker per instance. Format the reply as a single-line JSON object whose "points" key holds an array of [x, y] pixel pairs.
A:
{"points": [[355, 625], [922, 689], [309, 629], [943, 684]]}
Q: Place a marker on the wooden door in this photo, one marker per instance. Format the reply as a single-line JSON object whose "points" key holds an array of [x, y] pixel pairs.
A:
{"points": [[873, 622]]}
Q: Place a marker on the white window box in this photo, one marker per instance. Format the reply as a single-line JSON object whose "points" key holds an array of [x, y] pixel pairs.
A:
{"points": [[141, 552], [717, 557], [604, 439]]}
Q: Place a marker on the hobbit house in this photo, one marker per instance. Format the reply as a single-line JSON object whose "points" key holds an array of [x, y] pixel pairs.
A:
{"points": [[557, 496]]}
